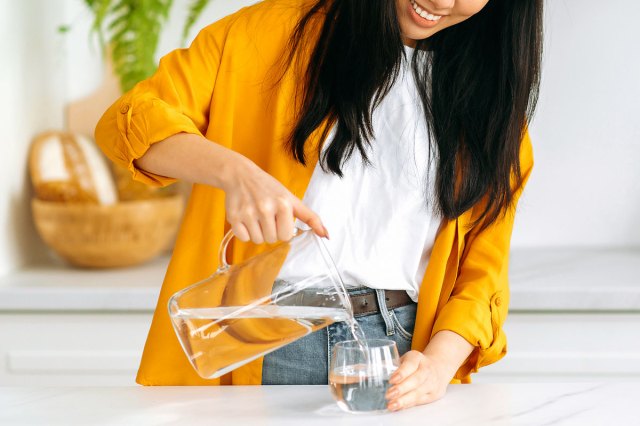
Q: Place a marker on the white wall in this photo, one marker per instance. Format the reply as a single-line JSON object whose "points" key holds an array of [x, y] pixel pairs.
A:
{"points": [[585, 186], [31, 100], [84, 71]]}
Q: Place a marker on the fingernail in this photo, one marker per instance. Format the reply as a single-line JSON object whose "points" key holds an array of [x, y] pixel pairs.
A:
{"points": [[326, 232], [392, 394], [394, 406]]}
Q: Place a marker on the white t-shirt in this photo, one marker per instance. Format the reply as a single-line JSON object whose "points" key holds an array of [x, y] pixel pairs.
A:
{"points": [[381, 230]]}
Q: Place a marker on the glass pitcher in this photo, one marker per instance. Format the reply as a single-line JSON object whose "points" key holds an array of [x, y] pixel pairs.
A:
{"points": [[247, 310]]}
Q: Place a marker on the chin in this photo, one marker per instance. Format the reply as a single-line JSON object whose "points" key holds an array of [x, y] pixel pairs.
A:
{"points": [[415, 33], [416, 36]]}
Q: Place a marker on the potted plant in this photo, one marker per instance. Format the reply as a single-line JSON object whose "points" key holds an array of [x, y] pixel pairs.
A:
{"points": [[131, 29]]}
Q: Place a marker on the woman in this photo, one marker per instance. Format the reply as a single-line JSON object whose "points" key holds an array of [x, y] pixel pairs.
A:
{"points": [[408, 118]]}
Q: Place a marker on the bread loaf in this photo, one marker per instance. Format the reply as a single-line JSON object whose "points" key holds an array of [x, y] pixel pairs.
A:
{"points": [[70, 168]]}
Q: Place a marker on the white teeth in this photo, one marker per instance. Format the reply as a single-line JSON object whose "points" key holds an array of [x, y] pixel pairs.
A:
{"points": [[423, 13]]}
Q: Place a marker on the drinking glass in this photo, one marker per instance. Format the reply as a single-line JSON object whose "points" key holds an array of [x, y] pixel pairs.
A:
{"points": [[359, 374]]}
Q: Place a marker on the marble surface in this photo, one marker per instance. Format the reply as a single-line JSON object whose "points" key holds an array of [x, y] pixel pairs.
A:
{"points": [[553, 279], [57, 287], [536, 404], [575, 279]]}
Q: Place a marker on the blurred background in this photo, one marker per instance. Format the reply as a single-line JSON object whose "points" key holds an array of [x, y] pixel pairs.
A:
{"points": [[575, 253]]}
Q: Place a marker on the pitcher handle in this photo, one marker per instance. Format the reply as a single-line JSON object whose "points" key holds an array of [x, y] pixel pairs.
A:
{"points": [[222, 253]]}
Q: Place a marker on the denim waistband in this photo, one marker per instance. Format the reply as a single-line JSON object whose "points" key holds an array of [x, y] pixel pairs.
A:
{"points": [[360, 290], [355, 288]]}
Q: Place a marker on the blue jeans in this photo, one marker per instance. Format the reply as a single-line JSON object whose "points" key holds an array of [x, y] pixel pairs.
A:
{"points": [[306, 361]]}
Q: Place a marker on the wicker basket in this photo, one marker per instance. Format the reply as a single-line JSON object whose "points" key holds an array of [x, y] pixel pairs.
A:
{"points": [[122, 234]]}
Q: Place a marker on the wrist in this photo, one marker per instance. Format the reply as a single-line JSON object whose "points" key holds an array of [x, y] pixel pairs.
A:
{"points": [[443, 363], [231, 166], [449, 351]]}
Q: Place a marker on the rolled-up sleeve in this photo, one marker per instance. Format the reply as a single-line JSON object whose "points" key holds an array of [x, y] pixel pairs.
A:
{"points": [[478, 305], [176, 99]]}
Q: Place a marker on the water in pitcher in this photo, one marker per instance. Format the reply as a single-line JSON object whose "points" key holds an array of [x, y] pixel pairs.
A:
{"points": [[218, 340]]}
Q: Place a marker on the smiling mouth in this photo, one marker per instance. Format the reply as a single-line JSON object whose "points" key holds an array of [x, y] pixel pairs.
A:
{"points": [[423, 13]]}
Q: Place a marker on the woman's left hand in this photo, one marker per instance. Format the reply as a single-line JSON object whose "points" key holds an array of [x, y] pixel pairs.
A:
{"points": [[420, 379]]}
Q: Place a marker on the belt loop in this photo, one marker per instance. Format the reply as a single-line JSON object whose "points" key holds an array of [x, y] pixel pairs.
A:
{"points": [[386, 316], [329, 349]]}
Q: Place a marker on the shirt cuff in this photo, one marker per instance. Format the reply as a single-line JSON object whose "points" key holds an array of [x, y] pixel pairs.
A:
{"points": [[145, 122], [480, 325]]}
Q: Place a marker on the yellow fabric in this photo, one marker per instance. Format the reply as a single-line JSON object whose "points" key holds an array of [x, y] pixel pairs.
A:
{"points": [[220, 88]]}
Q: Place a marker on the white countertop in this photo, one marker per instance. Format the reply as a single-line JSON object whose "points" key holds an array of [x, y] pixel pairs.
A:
{"points": [[554, 279], [575, 279], [536, 404], [58, 287]]}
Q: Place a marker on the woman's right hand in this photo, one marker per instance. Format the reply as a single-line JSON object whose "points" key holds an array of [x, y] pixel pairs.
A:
{"points": [[259, 208]]}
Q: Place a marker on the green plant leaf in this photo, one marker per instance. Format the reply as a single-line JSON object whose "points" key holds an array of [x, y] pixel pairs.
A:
{"points": [[132, 29], [100, 9], [195, 10]]}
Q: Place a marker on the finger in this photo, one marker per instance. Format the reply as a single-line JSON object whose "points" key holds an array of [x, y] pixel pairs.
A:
{"points": [[309, 217], [416, 397], [409, 384], [267, 223], [284, 221], [254, 231], [240, 231], [409, 363], [267, 220], [268, 226]]}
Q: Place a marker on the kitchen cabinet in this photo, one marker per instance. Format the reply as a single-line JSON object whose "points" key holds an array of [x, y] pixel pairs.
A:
{"points": [[61, 326], [51, 349], [568, 346], [574, 316]]}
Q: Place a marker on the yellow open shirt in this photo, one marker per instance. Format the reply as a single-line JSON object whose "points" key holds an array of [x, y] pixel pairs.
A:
{"points": [[218, 88]]}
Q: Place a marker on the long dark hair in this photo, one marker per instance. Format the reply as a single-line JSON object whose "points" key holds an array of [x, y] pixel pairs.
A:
{"points": [[478, 86]]}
